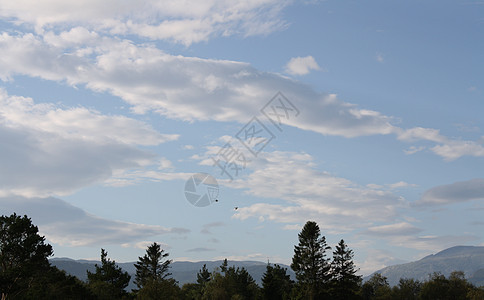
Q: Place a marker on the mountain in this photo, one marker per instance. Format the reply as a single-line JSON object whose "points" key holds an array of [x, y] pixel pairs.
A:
{"points": [[469, 259], [182, 271]]}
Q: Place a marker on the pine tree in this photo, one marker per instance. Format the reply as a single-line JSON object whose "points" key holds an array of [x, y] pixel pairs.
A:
{"points": [[109, 280], [151, 266], [309, 262], [203, 276], [276, 283], [235, 283], [224, 266], [344, 281]]}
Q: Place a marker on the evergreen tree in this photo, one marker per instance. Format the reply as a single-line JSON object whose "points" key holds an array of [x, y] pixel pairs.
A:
{"points": [[23, 255], [224, 266], [203, 276], [344, 281], [309, 262], [151, 266], [166, 289], [276, 283], [235, 283], [109, 280]]}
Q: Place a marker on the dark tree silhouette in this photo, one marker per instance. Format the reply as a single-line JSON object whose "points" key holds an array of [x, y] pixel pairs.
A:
{"points": [[23, 255], [235, 283], [310, 263], [276, 283], [203, 276], [344, 281], [151, 275], [151, 266], [407, 289], [109, 280], [376, 287]]}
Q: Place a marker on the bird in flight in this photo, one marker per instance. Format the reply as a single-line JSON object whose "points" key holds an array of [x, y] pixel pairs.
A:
{"points": [[235, 208]]}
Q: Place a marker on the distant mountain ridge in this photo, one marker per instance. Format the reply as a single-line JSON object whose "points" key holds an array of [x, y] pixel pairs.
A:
{"points": [[469, 259], [182, 271]]}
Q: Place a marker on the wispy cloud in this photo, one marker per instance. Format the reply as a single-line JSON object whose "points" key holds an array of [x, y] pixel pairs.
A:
{"points": [[184, 22], [396, 229], [379, 57], [453, 193], [65, 224], [309, 193]]}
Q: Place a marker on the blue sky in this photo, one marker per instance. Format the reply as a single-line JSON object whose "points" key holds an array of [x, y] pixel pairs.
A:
{"points": [[108, 108]]}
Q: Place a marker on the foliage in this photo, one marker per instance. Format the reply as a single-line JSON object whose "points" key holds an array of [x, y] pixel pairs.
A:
{"points": [[203, 276], [377, 288], [159, 289], [309, 262], [276, 283], [235, 283], [191, 291], [151, 266], [408, 289], [56, 284], [345, 283], [438, 287], [23, 255], [109, 280]]}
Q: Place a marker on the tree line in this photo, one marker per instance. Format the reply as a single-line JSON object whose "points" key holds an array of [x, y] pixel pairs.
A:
{"points": [[25, 273]]}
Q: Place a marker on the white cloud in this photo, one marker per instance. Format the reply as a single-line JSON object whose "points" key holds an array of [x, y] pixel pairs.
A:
{"points": [[431, 243], [401, 184], [453, 193], [67, 225], [454, 149], [297, 227], [396, 229], [419, 133], [183, 22], [413, 149], [301, 65], [447, 148], [150, 80], [336, 203], [77, 123], [47, 150]]}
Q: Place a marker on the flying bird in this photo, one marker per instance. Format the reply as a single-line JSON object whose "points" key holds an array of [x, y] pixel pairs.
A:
{"points": [[235, 208]]}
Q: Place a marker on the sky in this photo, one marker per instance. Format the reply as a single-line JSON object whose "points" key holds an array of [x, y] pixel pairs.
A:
{"points": [[218, 128]]}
